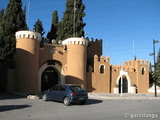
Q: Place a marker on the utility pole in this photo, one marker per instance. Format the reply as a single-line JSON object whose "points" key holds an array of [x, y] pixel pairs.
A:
{"points": [[28, 11], [74, 18]]}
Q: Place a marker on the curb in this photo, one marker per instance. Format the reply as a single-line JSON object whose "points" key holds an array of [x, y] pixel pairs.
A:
{"points": [[94, 96], [97, 96], [124, 98]]}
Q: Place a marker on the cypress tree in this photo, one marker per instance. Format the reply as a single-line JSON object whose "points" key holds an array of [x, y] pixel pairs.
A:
{"points": [[53, 32], [151, 75], [12, 21], [157, 68], [60, 31], [66, 26], [38, 27], [80, 7], [1, 41], [1, 14]]}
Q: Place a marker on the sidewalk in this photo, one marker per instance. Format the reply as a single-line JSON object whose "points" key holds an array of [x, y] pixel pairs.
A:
{"points": [[124, 96], [103, 96]]}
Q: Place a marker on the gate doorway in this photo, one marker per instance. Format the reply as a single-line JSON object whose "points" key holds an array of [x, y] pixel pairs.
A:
{"points": [[49, 78], [125, 85]]}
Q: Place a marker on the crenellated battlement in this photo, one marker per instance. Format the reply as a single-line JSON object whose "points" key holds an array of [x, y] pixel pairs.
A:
{"points": [[130, 66], [28, 35], [124, 68], [102, 58], [95, 40], [75, 40], [135, 62]]}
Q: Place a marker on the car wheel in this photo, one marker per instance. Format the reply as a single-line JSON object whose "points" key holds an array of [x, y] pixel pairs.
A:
{"points": [[66, 101], [44, 97]]}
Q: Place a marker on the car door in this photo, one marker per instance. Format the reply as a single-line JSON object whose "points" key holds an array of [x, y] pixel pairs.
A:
{"points": [[53, 93], [62, 92]]}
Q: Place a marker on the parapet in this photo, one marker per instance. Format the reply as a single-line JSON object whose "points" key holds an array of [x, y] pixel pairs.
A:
{"points": [[95, 40], [75, 40], [135, 62], [102, 58], [28, 35]]}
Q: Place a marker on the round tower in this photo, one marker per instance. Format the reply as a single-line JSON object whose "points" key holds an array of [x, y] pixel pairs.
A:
{"points": [[27, 61], [76, 60]]}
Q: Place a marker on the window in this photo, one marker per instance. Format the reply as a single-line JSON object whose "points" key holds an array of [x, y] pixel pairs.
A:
{"points": [[76, 88], [102, 69], [55, 88], [62, 88], [143, 69]]}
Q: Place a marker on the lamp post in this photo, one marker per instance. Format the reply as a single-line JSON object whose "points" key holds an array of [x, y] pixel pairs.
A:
{"points": [[153, 54]]}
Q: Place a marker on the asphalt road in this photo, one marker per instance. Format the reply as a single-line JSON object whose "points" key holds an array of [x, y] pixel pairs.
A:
{"points": [[17, 108]]}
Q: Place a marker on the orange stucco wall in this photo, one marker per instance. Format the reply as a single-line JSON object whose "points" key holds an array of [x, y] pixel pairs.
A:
{"points": [[134, 69], [96, 81], [71, 56], [27, 64], [76, 64]]}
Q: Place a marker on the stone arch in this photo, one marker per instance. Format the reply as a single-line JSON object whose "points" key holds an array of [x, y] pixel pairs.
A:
{"points": [[61, 78], [125, 85], [117, 83]]}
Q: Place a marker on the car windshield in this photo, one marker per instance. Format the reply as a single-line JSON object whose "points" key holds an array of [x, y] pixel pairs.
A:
{"points": [[76, 88]]}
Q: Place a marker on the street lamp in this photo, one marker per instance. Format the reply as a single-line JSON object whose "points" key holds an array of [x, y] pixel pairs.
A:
{"points": [[153, 54]]}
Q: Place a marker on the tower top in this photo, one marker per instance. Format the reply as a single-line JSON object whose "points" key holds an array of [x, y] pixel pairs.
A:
{"points": [[75, 40], [28, 35]]}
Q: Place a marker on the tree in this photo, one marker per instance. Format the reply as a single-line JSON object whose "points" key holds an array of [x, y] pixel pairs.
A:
{"points": [[1, 41], [151, 75], [157, 68], [12, 21], [53, 32], [38, 27], [66, 27], [1, 14], [60, 31], [135, 58], [80, 7]]}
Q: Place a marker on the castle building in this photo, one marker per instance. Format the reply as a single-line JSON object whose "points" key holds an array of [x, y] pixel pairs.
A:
{"points": [[72, 61]]}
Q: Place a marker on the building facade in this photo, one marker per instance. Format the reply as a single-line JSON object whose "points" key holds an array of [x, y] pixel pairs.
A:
{"points": [[72, 61]]}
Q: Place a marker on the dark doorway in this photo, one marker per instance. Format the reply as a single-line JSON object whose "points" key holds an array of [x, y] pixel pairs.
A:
{"points": [[49, 78], [125, 85]]}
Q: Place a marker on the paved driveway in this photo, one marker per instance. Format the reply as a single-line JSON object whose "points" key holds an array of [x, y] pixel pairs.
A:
{"points": [[16, 108]]}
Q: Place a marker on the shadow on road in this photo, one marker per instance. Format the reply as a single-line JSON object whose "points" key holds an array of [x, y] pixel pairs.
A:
{"points": [[4, 108], [93, 101]]}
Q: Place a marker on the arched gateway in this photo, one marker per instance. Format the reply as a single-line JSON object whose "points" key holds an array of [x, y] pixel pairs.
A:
{"points": [[124, 85], [49, 75], [127, 88]]}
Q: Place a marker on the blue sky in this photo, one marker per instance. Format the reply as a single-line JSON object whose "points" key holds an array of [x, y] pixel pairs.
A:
{"points": [[127, 27]]}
